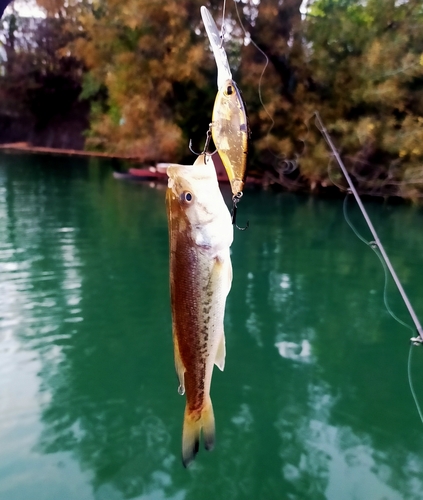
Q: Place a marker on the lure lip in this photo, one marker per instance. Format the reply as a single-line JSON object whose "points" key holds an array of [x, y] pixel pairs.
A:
{"points": [[223, 69]]}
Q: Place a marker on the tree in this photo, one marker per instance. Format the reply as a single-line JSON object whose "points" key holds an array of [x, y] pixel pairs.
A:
{"points": [[40, 83], [277, 84], [151, 61], [150, 78], [366, 61]]}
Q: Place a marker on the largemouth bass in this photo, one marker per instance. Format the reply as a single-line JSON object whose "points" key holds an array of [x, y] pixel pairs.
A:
{"points": [[200, 234], [230, 132]]}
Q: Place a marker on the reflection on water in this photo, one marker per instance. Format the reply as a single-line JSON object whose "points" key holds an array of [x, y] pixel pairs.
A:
{"points": [[314, 401]]}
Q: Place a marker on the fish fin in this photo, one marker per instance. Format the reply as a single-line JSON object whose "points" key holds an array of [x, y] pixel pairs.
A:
{"points": [[221, 353], [229, 283], [223, 270], [193, 423], [179, 367]]}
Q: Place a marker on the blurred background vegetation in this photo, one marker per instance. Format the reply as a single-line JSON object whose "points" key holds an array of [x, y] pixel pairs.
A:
{"points": [[137, 78]]}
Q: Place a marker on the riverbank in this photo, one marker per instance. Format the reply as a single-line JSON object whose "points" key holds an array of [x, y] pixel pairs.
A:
{"points": [[291, 182], [24, 147], [148, 173]]}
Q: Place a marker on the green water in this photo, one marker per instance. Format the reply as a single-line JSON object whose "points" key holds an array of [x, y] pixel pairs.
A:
{"points": [[314, 401]]}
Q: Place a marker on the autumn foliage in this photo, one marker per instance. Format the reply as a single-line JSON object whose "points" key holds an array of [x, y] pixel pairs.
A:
{"points": [[150, 79]]}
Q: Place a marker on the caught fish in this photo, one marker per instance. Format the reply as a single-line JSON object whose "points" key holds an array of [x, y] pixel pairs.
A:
{"points": [[200, 234], [230, 132]]}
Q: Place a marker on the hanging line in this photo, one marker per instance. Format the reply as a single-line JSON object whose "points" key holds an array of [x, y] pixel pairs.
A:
{"points": [[376, 250], [325, 133], [374, 247], [222, 29], [410, 383]]}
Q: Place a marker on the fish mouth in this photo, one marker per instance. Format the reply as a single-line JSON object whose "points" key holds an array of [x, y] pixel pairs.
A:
{"points": [[191, 177]]}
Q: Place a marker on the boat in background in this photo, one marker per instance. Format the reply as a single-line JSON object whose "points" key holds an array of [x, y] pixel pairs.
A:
{"points": [[158, 173]]}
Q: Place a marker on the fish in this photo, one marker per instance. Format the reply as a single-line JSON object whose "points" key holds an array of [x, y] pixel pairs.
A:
{"points": [[231, 132], [200, 236]]}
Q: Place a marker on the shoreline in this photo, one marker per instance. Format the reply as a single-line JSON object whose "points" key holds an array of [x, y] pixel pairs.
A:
{"points": [[154, 173], [24, 147]]}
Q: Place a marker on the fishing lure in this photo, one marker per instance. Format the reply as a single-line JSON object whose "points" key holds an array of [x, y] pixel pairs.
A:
{"points": [[229, 128], [230, 133]]}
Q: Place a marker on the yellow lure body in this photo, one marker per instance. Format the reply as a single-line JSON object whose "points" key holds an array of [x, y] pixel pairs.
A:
{"points": [[230, 132]]}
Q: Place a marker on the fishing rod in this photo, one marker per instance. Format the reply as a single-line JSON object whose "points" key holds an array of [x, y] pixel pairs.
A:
{"points": [[415, 340]]}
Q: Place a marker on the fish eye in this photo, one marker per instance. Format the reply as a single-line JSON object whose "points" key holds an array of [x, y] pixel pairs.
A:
{"points": [[186, 196], [229, 89]]}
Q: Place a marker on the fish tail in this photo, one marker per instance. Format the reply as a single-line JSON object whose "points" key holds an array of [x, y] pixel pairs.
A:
{"points": [[193, 423]]}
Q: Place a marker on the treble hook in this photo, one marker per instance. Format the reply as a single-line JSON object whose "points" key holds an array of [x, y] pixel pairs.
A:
{"points": [[206, 145], [235, 200]]}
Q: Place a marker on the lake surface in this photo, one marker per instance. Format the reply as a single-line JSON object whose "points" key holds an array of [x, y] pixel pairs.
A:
{"points": [[314, 402]]}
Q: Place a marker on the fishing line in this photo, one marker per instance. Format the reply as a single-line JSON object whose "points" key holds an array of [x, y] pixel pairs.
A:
{"points": [[374, 247], [341, 188], [410, 383], [388, 308], [247, 35], [321, 127], [222, 29], [288, 165], [378, 248], [385, 289], [355, 231]]}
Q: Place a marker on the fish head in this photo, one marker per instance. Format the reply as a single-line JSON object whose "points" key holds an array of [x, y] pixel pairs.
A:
{"points": [[195, 205]]}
